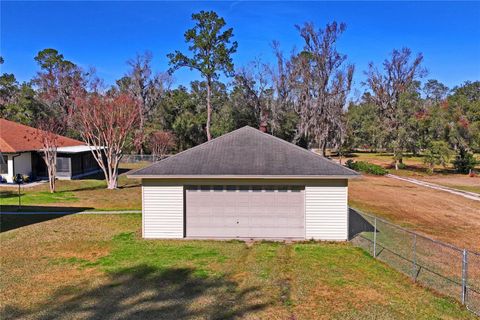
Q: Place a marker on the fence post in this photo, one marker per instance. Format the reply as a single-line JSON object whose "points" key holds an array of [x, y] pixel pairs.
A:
{"points": [[414, 258], [375, 237], [464, 276]]}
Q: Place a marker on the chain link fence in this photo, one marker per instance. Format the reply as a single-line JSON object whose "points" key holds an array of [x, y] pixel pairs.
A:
{"points": [[452, 271], [134, 158]]}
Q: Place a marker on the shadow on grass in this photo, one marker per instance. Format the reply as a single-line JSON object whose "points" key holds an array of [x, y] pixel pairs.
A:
{"points": [[23, 218], [357, 224], [144, 292], [100, 176], [423, 170], [6, 194]]}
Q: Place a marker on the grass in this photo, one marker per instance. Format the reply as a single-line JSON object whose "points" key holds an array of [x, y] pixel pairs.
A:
{"points": [[415, 168], [90, 266], [437, 214], [413, 162], [464, 188], [71, 195], [33, 198]]}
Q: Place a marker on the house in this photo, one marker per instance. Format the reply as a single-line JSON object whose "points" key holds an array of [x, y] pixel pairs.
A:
{"points": [[245, 184], [20, 147]]}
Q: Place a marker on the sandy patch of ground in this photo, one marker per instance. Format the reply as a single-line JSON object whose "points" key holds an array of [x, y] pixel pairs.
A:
{"points": [[444, 216]]}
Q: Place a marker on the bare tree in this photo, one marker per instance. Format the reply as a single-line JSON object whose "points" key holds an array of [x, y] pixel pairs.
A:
{"points": [[257, 91], [48, 132], [58, 82], [282, 97], [147, 88], [105, 122], [399, 75], [161, 142], [319, 83]]}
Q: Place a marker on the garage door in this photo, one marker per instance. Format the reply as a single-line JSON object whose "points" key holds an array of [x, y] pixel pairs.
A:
{"points": [[245, 212]]}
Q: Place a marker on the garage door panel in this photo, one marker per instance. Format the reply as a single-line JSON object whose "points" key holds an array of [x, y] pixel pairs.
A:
{"points": [[237, 213]]}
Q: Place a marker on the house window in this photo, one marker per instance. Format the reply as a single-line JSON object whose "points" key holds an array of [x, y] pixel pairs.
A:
{"points": [[4, 164], [63, 164], [89, 162]]}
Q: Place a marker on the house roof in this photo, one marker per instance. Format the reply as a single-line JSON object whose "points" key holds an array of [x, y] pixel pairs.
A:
{"points": [[16, 137], [244, 153]]}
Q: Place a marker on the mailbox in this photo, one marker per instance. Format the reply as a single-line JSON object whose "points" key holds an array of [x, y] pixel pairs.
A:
{"points": [[19, 178]]}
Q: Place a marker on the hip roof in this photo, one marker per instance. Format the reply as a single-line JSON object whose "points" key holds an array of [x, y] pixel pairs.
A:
{"points": [[246, 152]]}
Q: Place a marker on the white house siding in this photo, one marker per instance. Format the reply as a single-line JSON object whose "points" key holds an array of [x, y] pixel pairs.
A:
{"points": [[23, 163], [326, 210], [162, 210], [18, 163], [9, 174]]}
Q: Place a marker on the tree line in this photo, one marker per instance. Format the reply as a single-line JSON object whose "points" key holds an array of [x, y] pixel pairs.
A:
{"points": [[303, 97]]}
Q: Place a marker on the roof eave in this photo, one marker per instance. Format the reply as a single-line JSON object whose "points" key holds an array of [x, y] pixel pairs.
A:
{"points": [[309, 177]]}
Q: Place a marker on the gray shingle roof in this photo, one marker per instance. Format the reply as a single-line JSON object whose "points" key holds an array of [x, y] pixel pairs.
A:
{"points": [[245, 152]]}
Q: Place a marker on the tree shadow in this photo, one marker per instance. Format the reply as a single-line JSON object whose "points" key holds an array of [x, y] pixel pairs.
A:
{"points": [[6, 194], [357, 224], [144, 292], [423, 170], [23, 218], [101, 176]]}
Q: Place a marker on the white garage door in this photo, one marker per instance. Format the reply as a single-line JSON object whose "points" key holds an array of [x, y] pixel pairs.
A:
{"points": [[245, 212]]}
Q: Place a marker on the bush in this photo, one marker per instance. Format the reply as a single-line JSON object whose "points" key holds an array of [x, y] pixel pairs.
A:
{"points": [[438, 153], [464, 162], [366, 167], [25, 177], [402, 165]]}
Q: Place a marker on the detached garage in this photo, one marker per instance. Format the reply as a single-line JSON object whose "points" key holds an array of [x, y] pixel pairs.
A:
{"points": [[247, 185]]}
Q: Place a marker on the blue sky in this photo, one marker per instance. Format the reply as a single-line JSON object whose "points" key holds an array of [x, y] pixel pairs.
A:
{"points": [[106, 34]]}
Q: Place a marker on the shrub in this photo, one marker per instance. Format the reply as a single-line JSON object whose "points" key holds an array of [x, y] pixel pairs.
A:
{"points": [[366, 167], [464, 162], [25, 178], [438, 153], [402, 165], [350, 163]]}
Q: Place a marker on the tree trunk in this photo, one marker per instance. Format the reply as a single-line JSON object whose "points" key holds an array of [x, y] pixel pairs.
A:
{"points": [[142, 126], [209, 109], [51, 181], [51, 161], [398, 159], [397, 156], [112, 182], [322, 146]]}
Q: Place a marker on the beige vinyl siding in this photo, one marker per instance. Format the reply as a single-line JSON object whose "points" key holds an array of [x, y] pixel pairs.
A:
{"points": [[326, 210], [162, 211]]}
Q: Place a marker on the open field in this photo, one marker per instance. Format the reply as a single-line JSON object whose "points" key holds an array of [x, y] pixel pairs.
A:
{"points": [[417, 169], [96, 266], [438, 214], [74, 195], [462, 182]]}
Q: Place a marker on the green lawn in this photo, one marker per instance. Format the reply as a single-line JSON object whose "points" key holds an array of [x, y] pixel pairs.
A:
{"points": [[75, 195], [97, 266]]}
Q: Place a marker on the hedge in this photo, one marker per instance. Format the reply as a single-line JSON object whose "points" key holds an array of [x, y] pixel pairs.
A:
{"points": [[366, 167]]}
